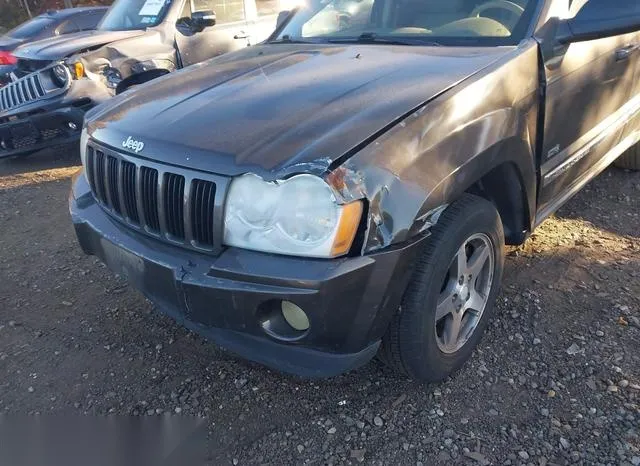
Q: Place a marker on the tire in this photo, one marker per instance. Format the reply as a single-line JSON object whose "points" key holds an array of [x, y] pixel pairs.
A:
{"points": [[629, 160], [415, 344]]}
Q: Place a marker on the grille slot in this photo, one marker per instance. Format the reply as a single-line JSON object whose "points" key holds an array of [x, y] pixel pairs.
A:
{"points": [[129, 191], [101, 191], [202, 205], [174, 204], [177, 205], [150, 197], [113, 182]]}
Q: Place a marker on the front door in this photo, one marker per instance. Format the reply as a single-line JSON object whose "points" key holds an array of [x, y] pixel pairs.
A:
{"points": [[588, 94], [229, 33]]}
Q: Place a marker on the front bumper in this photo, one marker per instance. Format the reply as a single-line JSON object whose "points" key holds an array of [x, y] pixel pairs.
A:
{"points": [[44, 122], [30, 133], [349, 301]]}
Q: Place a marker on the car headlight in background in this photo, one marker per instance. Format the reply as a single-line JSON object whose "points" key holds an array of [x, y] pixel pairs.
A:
{"points": [[154, 64], [60, 74], [298, 216], [77, 69], [112, 77]]}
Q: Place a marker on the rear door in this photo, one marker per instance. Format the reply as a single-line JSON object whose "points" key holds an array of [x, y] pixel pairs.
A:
{"points": [[229, 33], [588, 92]]}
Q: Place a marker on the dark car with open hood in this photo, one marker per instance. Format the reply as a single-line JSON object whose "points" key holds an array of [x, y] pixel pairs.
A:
{"points": [[50, 24], [60, 78], [347, 188]]}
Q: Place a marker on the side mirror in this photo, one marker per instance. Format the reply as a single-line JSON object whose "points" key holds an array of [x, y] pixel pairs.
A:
{"points": [[597, 20], [282, 17], [203, 19]]}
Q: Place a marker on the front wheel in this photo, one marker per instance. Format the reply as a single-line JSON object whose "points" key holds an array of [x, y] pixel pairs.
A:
{"points": [[452, 293]]}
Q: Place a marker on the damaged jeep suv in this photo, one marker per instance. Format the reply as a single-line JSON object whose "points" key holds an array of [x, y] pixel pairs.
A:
{"points": [[346, 188], [60, 78]]}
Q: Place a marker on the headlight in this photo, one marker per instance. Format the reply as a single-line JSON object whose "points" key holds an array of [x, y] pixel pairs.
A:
{"points": [[298, 216], [77, 69], [60, 74], [112, 77]]}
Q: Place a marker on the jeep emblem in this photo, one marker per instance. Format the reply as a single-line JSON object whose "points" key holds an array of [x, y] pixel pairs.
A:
{"points": [[133, 145]]}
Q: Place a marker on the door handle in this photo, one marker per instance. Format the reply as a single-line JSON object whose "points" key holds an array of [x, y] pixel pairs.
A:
{"points": [[241, 35], [626, 52]]}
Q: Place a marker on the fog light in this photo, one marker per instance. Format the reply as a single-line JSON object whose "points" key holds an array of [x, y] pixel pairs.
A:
{"points": [[295, 316], [72, 125]]}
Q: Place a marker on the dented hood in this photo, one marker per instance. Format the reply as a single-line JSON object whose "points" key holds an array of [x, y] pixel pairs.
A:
{"points": [[60, 47], [273, 108]]}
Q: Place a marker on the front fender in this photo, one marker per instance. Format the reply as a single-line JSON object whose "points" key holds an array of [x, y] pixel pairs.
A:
{"points": [[433, 156]]}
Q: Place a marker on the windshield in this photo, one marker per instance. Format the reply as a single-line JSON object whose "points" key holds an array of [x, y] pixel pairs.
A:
{"points": [[35, 27], [445, 22], [126, 15]]}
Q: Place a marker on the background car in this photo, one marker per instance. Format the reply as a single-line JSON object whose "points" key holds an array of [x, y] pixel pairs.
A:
{"points": [[49, 24], [137, 41]]}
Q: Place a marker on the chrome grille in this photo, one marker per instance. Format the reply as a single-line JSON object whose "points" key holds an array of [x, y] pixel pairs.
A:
{"points": [[21, 92], [174, 204]]}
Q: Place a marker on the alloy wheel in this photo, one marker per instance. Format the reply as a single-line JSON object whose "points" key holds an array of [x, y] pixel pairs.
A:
{"points": [[464, 293]]}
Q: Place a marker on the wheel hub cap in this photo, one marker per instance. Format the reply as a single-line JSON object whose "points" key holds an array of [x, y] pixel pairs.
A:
{"points": [[464, 293]]}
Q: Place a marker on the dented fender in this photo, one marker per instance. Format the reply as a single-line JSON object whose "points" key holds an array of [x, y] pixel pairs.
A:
{"points": [[125, 56], [412, 172]]}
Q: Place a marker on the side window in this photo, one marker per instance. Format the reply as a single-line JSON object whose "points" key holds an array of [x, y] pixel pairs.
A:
{"points": [[227, 11], [88, 22], [267, 7], [67, 27]]}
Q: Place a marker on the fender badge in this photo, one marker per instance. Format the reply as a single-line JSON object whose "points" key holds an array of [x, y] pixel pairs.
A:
{"points": [[133, 145]]}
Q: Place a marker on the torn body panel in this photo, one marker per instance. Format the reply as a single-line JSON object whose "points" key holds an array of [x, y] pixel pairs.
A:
{"points": [[128, 57]]}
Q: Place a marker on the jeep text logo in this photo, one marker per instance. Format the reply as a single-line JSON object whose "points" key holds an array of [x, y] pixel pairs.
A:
{"points": [[132, 144]]}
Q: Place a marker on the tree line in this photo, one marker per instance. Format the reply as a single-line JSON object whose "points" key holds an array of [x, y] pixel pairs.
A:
{"points": [[14, 12]]}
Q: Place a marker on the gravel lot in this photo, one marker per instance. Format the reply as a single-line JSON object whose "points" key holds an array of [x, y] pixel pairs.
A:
{"points": [[556, 379]]}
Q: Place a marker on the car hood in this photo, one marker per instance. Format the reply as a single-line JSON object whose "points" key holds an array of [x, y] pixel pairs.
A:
{"points": [[9, 43], [271, 109], [56, 48]]}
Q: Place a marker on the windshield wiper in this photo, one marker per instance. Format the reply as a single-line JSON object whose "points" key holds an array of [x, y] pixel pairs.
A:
{"points": [[373, 38]]}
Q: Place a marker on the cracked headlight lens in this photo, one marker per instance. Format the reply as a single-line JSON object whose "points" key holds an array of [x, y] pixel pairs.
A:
{"points": [[297, 216]]}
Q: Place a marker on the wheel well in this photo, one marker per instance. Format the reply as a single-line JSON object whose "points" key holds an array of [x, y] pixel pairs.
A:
{"points": [[139, 78], [503, 187]]}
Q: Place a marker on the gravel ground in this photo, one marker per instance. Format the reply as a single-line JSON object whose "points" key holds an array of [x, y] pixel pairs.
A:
{"points": [[556, 379]]}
